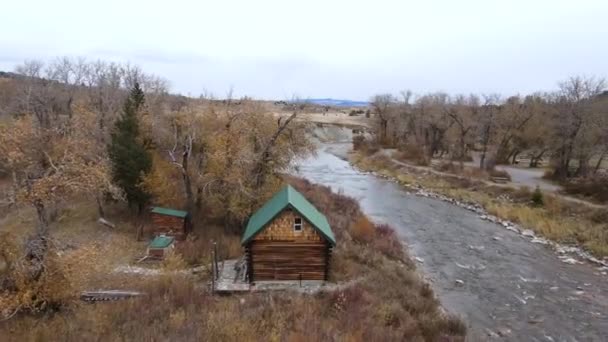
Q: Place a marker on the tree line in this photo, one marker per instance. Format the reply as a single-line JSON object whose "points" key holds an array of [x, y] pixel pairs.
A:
{"points": [[568, 126], [73, 131]]}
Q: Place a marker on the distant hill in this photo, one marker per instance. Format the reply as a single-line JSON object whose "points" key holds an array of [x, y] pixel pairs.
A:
{"points": [[4, 74], [338, 103]]}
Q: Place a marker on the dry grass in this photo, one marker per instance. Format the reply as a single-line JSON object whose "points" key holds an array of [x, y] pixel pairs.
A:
{"points": [[556, 219], [413, 153], [386, 301], [197, 249], [594, 188]]}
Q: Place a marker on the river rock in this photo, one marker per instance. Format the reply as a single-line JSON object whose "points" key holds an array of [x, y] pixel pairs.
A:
{"points": [[491, 333], [570, 261], [504, 332], [459, 282], [527, 232], [540, 241]]}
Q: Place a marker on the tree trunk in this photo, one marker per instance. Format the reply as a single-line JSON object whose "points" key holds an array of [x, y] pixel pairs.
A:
{"points": [[599, 162], [462, 150], [583, 166], [100, 210], [187, 182], [534, 159], [514, 155], [43, 222], [260, 168], [383, 130]]}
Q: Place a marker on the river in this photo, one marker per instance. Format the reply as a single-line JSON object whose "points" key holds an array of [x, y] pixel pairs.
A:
{"points": [[500, 283]]}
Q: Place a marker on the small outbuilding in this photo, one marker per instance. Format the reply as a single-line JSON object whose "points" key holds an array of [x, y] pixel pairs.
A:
{"points": [[288, 239], [161, 246], [171, 222]]}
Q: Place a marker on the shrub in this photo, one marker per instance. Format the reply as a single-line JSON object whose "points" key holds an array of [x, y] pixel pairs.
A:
{"points": [[521, 195], [358, 142], [446, 167], [174, 262], [537, 198], [413, 153], [599, 216], [362, 230], [387, 242], [594, 187]]}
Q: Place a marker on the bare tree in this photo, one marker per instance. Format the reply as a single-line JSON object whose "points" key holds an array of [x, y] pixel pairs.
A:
{"points": [[382, 107]]}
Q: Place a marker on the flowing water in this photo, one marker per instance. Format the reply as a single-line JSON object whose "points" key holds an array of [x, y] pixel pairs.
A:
{"points": [[501, 284]]}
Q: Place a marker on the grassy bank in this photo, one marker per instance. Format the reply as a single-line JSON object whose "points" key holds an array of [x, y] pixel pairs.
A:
{"points": [[556, 219], [383, 297]]}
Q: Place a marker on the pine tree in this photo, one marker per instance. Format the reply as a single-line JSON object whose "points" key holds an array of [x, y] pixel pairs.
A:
{"points": [[130, 159]]}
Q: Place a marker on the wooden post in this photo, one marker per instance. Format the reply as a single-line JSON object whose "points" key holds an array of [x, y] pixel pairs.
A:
{"points": [[215, 258], [213, 271], [300, 279]]}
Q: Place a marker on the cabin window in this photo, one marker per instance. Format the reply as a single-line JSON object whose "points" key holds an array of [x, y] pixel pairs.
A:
{"points": [[297, 224]]}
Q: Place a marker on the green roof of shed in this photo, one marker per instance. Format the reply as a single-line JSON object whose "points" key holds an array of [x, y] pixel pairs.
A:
{"points": [[287, 197], [169, 212], [161, 242]]}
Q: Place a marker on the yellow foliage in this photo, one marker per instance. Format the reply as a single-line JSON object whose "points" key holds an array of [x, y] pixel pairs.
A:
{"points": [[164, 183], [362, 230], [29, 294]]}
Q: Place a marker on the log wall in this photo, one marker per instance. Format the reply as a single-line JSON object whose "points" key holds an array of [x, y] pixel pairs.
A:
{"points": [[284, 260], [169, 225]]}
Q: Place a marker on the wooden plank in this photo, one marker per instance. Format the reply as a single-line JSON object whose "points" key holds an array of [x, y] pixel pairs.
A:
{"points": [[94, 296]]}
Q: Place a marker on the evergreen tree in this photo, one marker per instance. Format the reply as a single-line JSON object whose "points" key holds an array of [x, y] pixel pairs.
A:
{"points": [[537, 198], [130, 159]]}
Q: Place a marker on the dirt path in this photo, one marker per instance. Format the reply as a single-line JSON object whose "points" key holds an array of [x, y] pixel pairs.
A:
{"points": [[523, 176], [504, 286]]}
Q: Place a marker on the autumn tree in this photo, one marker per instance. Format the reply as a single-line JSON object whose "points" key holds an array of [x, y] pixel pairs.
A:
{"points": [[48, 166], [130, 159]]}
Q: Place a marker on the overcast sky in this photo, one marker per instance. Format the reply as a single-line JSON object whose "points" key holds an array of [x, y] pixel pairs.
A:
{"points": [[321, 48]]}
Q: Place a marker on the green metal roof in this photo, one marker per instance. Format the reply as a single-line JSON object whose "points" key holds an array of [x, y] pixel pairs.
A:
{"points": [[161, 242], [287, 197], [170, 212]]}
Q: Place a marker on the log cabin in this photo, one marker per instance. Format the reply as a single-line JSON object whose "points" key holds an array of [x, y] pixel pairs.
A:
{"points": [[171, 222], [288, 239]]}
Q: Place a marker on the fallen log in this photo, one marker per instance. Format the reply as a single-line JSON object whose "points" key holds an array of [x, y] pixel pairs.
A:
{"points": [[106, 223], [108, 295]]}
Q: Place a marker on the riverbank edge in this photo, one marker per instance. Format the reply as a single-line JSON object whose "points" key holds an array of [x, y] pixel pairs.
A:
{"points": [[564, 252]]}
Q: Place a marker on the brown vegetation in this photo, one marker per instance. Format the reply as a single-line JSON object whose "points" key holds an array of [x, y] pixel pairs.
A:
{"points": [[216, 159], [555, 218], [594, 188], [385, 299], [567, 127]]}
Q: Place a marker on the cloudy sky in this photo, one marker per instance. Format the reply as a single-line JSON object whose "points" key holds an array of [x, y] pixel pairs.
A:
{"points": [[275, 49]]}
